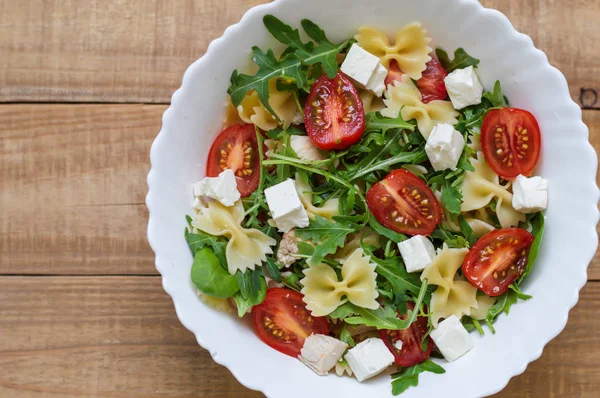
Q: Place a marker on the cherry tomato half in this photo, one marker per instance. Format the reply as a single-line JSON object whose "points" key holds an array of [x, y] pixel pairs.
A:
{"points": [[236, 148], [497, 259], [511, 142], [394, 73], [431, 84], [283, 322], [402, 202], [411, 352], [334, 116]]}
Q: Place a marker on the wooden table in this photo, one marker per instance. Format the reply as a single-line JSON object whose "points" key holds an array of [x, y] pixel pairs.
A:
{"points": [[83, 85]]}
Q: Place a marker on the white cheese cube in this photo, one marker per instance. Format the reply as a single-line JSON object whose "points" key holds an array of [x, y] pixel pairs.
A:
{"points": [[369, 358], [376, 83], [417, 252], [530, 194], [359, 64], [452, 338], [444, 147], [463, 87], [222, 188], [305, 149], [321, 352], [285, 205], [398, 344]]}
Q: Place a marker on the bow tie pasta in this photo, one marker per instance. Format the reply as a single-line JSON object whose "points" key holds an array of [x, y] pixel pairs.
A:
{"points": [[481, 186], [410, 49], [452, 297], [329, 209], [251, 110], [323, 291], [246, 248], [405, 98]]}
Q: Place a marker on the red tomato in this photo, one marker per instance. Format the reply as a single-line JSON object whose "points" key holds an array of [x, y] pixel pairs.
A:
{"points": [[236, 148], [283, 322], [411, 352], [511, 142], [403, 203], [394, 73], [333, 115], [497, 259], [431, 84]]}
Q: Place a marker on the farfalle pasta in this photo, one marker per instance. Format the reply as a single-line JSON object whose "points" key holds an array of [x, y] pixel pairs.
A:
{"points": [[329, 209], [481, 186], [404, 98], [323, 292], [246, 248], [453, 296], [410, 48], [251, 110]]}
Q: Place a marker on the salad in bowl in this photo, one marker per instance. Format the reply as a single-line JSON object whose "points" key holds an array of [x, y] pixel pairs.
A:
{"points": [[368, 204]]}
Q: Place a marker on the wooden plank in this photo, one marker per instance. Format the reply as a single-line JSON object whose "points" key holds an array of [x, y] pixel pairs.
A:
{"points": [[105, 51], [80, 181], [119, 337], [66, 51], [72, 188]]}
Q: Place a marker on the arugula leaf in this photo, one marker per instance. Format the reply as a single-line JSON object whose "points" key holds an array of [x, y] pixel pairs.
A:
{"points": [[505, 301], [324, 52], [451, 197], [467, 231], [255, 298], [210, 277], [392, 270], [495, 97], [273, 269], [537, 223], [453, 240], [269, 67], [328, 235], [409, 377], [388, 233], [376, 122], [199, 240], [346, 337], [461, 59]]}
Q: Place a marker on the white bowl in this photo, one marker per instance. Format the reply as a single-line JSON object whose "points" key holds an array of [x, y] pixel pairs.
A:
{"points": [[568, 161]]}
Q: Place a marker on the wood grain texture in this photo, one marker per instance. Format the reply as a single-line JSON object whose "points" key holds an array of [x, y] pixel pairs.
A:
{"points": [[137, 51], [119, 337], [72, 191]]}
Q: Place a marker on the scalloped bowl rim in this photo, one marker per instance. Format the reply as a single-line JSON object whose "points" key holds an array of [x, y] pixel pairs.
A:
{"points": [[568, 108]]}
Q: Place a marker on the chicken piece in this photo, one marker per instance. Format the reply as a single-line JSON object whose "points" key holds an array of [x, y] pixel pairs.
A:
{"points": [[288, 248]]}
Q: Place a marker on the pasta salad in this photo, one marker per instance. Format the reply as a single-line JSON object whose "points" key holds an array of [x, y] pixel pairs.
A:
{"points": [[368, 203]]}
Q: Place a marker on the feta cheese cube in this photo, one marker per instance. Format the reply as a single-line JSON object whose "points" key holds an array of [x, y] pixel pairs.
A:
{"points": [[305, 149], [321, 353], [359, 64], [530, 194], [444, 147], [452, 338], [222, 188], [365, 69], [417, 252], [376, 83], [398, 344], [285, 205], [463, 87], [369, 358]]}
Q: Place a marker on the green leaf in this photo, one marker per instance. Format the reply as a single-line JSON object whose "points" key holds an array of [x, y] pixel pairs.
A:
{"points": [[409, 377], [537, 224], [388, 233], [376, 122], [461, 59], [453, 240], [255, 298], [393, 270], [273, 269], [466, 230], [346, 337], [210, 277], [328, 235], [199, 240], [451, 197], [495, 97], [289, 68]]}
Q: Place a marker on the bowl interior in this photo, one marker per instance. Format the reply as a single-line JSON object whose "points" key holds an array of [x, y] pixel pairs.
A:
{"points": [[194, 118]]}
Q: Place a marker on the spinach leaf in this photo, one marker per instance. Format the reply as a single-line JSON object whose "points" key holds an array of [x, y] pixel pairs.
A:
{"points": [[376, 122], [328, 235], [269, 67], [409, 377], [461, 59], [255, 297], [537, 224], [210, 277]]}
